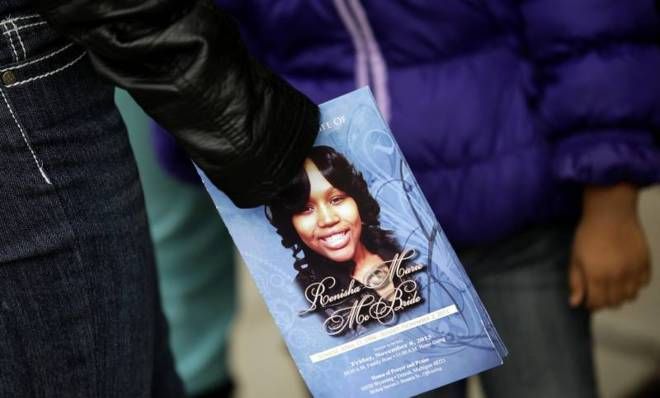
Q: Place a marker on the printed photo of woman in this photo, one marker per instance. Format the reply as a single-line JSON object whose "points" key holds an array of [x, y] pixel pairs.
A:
{"points": [[330, 221]]}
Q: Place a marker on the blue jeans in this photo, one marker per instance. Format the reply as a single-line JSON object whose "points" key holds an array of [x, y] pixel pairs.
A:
{"points": [[79, 308], [523, 283]]}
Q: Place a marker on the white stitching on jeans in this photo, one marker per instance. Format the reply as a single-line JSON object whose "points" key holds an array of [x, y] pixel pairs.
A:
{"points": [[31, 25], [20, 128], [10, 19], [11, 39], [59, 50], [18, 34], [49, 73]]}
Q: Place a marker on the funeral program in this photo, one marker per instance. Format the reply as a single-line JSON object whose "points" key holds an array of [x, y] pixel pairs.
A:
{"points": [[356, 271]]}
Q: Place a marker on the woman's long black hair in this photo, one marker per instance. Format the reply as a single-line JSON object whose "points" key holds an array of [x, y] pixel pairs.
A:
{"points": [[311, 266]]}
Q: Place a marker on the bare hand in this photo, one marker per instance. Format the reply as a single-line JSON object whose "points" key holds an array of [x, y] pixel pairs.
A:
{"points": [[610, 259]]}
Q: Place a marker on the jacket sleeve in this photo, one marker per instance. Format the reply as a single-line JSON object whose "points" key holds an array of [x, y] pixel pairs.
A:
{"points": [[185, 64], [598, 68]]}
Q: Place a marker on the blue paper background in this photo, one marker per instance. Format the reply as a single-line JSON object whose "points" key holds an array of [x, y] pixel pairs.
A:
{"points": [[472, 345]]}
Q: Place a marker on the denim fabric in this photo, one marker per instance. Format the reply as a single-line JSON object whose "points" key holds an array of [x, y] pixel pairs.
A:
{"points": [[79, 309], [523, 282]]}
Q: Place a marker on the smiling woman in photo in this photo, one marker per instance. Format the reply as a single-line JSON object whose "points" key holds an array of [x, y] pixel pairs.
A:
{"points": [[330, 221]]}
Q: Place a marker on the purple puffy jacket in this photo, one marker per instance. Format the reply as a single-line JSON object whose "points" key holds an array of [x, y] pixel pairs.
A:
{"points": [[504, 109]]}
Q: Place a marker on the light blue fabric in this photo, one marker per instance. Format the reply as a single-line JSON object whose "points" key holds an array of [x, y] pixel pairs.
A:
{"points": [[195, 262]]}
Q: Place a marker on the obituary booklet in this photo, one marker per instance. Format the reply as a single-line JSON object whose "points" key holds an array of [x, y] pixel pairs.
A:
{"points": [[356, 271]]}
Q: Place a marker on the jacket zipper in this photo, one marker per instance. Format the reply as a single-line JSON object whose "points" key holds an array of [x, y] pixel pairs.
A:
{"points": [[368, 57]]}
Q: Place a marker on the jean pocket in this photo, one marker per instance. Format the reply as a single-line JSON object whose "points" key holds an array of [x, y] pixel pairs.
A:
{"points": [[30, 52], [33, 50]]}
